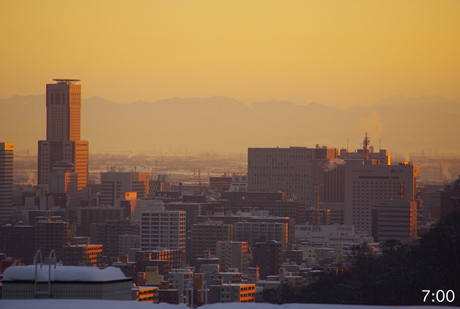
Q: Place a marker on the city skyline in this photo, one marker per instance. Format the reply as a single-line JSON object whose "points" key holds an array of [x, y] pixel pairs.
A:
{"points": [[333, 53]]}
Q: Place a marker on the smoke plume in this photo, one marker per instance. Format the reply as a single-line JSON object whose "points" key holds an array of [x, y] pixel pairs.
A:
{"points": [[372, 126], [445, 171], [332, 164]]}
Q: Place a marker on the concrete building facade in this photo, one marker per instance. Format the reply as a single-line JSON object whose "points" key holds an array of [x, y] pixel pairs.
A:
{"points": [[233, 254], [394, 220], [51, 234], [368, 182], [114, 185], [290, 170], [82, 255], [6, 182], [63, 118], [268, 256], [206, 235], [162, 229], [252, 231]]}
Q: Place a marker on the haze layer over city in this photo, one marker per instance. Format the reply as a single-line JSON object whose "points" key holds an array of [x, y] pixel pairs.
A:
{"points": [[243, 151]]}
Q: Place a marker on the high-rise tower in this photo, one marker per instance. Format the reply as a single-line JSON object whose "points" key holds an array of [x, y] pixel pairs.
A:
{"points": [[6, 182], [63, 106]]}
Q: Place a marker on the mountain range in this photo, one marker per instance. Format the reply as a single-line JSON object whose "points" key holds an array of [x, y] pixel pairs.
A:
{"points": [[227, 125]]}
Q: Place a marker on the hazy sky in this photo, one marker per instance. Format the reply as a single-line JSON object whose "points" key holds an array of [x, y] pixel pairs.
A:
{"points": [[340, 53]]}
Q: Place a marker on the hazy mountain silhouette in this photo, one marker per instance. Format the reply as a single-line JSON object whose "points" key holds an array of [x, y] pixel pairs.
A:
{"points": [[225, 124]]}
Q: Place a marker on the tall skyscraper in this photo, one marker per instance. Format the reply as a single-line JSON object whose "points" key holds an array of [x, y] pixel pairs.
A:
{"points": [[6, 182], [63, 106]]}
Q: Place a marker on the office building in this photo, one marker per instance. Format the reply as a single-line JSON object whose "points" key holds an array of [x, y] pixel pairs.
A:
{"points": [[252, 231], [164, 229], [192, 210], [206, 235], [394, 220], [168, 294], [268, 256], [62, 180], [51, 234], [292, 256], [126, 242], [233, 254], [89, 215], [63, 110], [450, 198], [180, 278], [220, 184], [6, 182], [18, 242], [174, 257], [108, 232], [272, 219], [146, 293], [368, 182], [290, 170], [114, 185], [232, 292], [82, 255]]}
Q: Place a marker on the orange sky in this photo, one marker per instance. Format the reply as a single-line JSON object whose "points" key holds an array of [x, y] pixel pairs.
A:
{"points": [[340, 53]]}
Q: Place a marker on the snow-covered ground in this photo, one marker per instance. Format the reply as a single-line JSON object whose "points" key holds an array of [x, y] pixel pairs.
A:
{"points": [[63, 273], [90, 304]]}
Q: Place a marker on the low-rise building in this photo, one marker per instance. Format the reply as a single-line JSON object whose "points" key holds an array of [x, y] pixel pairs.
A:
{"points": [[232, 293], [167, 293], [65, 282], [82, 255], [146, 293]]}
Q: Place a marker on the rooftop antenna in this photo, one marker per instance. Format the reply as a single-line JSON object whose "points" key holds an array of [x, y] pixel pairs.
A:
{"points": [[347, 144], [366, 143]]}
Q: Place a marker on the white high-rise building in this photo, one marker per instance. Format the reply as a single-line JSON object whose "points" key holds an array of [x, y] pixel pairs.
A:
{"points": [[366, 183], [164, 229], [6, 182]]}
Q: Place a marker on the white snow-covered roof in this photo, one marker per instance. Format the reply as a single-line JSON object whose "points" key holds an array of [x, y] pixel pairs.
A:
{"points": [[63, 273], [90, 304]]}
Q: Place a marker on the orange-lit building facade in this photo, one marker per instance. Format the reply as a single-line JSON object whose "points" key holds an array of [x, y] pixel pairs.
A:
{"points": [[63, 110], [88, 255]]}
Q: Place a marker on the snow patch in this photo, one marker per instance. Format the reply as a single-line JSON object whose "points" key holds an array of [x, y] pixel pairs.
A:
{"points": [[63, 273]]}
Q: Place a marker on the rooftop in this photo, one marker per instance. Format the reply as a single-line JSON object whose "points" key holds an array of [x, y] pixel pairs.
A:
{"points": [[66, 81], [64, 273]]}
